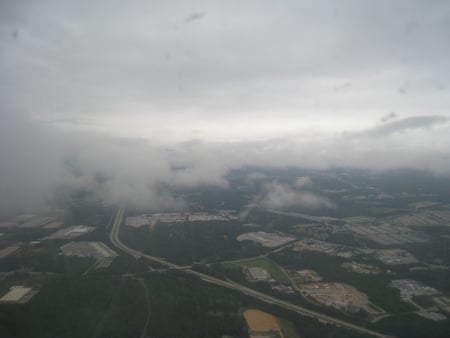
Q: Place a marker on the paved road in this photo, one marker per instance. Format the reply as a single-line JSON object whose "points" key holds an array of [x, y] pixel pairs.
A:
{"points": [[114, 237], [281, 248]]}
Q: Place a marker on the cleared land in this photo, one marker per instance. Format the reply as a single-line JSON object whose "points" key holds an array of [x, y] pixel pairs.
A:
{"points": [[8, 250], [300, 277], [260, 322]]}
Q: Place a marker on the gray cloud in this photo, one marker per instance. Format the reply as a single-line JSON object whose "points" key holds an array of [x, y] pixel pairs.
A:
{"points": [[37, 159], [417, 122], [256, 176], [120, 90], [388, 117], [303, 182], [194, 17], [111, 59]]}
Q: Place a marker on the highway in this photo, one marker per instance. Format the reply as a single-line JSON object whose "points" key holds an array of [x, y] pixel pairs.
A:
{"points": [[115, 240]]}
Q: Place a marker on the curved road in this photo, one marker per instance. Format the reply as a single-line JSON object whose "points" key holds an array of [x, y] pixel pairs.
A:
{"points": [[115, 240]]}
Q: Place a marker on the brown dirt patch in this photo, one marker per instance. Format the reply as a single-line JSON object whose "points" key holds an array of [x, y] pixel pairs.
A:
{"points": [[259, 321]]}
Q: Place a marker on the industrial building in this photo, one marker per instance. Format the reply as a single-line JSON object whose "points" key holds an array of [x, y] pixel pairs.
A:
{"points": [[17, 294], [257, 274], [270, 240]]}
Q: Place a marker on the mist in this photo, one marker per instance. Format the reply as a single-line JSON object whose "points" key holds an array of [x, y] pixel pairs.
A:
{"points": [[132, 100]]}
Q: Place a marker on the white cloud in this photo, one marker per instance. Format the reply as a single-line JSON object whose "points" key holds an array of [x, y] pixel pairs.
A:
{"points": [[303, 182], [281, 196]]}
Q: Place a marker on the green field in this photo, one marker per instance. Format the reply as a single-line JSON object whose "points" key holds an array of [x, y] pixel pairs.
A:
{"points": [[265, 263], [288, 329]]}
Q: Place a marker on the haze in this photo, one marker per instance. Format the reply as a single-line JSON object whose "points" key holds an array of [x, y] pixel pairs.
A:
{"points": [[150, 94]]}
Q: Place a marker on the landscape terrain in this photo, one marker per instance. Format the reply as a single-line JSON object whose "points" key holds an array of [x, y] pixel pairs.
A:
{"points": [[276, 253], [224, 169]]}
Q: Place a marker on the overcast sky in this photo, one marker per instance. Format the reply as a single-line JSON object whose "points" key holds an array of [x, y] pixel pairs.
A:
{"points": [[212, 85]]}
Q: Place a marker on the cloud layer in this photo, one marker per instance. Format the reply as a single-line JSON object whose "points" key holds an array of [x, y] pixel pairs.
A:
{"points": [[129, 99], [281, 196]]}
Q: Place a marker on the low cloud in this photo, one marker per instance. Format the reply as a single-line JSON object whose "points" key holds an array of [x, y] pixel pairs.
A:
{"points": [[38, 159], [194, 17], [256, 176], [303, 182], [281, 196], [139, 99], [388, 117], [416, 122]]}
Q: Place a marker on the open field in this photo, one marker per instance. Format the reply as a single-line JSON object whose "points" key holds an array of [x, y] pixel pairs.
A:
{"points": [[261, 322], [267, 264]]}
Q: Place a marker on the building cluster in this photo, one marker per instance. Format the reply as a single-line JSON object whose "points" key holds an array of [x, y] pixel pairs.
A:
{"points": [[270, 240], [331, 249], [424, 217], [366, 269], [395, 257], [257, 274], [387, 234], [304, 276], [71, 232], [410, 288], [176, 217], [103, 254], [340, 296]]}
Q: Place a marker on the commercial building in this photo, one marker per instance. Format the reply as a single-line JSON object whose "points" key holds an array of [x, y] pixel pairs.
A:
{"points": [[257, 274], [17, 294]]}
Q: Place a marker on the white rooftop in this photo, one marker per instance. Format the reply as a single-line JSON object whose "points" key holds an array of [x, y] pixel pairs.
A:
{"points": [[15, 294]]}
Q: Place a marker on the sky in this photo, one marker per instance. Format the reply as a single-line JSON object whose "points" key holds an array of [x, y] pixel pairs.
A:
{"points": [[131, 90]]}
